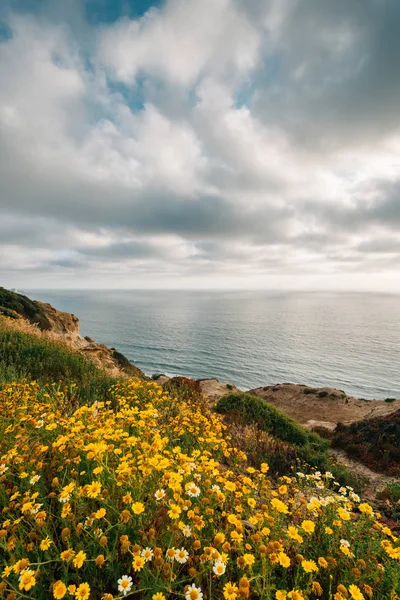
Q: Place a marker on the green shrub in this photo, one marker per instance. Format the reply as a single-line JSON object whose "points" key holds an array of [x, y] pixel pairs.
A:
{"points": [[390, 399], [252, 410]]}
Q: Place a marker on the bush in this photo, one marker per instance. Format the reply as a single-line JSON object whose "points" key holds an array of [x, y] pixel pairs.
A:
{"points": [[375, 442], [252, 410]]}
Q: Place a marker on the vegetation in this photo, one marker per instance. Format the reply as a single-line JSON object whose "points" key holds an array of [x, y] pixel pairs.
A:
{"points": [[388, 504], [251, 409], [114, 489], [266, 433], [11, 303], [147, 497], [375, 442], [25, 356]]}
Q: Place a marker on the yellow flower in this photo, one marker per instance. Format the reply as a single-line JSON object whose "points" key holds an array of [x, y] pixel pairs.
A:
{"points": [[93, 489], [328, 531], [45, 544], [366, 509], [279, 506], [322, 562], [7, 571], [174, 511], [59, 590], [249, 559], [100, 513], [280, 595], [309, 566], [308, 526], [67, 554], [264, 467], [158, 596], [27, 580], [137, 508], [230, 591], [82, 591], [343, 514], [284, 560], [138, 563], [356, 593], [79, 559], [295, 595]]}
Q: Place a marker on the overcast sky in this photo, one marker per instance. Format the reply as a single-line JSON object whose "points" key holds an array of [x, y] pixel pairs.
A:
{"points": [[200, 143]]}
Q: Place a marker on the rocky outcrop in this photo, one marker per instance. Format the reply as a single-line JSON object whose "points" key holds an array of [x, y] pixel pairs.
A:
{"points": [[211, 389], [322, 407]]}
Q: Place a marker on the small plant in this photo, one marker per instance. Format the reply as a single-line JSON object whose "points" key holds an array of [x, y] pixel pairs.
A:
{"points": [[229, 386], [390, 399]]}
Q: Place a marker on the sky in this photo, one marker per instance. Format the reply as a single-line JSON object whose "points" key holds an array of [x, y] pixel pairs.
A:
{"points": [[237, 144]]}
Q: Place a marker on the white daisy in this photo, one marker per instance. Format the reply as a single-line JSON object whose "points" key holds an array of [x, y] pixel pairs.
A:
{"points": [[181, 556], [125, 584], [219, 568], [192, 490], [159, 494], [147, 554], [193, 593]]}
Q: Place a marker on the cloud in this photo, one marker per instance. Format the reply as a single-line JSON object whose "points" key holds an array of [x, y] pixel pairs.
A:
{"points": [[203, 142]]}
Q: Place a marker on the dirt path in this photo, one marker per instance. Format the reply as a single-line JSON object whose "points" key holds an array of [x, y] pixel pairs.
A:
{"points": [[377, 481]]}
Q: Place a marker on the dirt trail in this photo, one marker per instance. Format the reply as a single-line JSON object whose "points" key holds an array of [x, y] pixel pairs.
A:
{"points": [[376, 481]]}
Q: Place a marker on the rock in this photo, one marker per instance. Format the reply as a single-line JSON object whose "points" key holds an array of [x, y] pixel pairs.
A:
{"points": [[213, 389], [313, 407]]}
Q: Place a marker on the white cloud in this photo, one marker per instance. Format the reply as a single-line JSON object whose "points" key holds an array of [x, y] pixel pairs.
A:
{"points": [[182, 41]]}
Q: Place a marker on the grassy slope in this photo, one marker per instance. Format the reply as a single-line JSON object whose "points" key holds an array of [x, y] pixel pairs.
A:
{"points": [[26, 356]]}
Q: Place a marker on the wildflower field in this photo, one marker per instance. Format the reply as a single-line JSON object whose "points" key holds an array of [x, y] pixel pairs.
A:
{"points": [[143, 496]]}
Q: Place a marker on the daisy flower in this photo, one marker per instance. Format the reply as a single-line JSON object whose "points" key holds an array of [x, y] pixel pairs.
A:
{"points": [[125, 584], [193, 593]]}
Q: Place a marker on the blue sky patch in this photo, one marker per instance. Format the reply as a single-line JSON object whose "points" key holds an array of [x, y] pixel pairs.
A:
{"points": [[109, 11]]}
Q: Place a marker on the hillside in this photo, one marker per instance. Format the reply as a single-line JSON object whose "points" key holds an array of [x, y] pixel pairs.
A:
{"points": [[114, 487], [375, 442], [47, 323], [147, 496]]}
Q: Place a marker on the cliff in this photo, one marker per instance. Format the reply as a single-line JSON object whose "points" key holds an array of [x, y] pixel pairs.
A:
{"points": [[44, 320]]}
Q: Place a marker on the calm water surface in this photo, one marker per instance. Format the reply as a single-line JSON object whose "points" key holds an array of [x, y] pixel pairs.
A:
{"points": [[349, 341]]}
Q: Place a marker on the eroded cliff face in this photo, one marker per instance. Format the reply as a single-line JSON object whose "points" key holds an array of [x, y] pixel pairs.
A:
{"points": [[62, 323], [66, 326], [47, 321]]}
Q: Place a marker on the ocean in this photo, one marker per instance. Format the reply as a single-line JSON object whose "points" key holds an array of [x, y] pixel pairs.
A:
{"points": [[251, 339]]}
